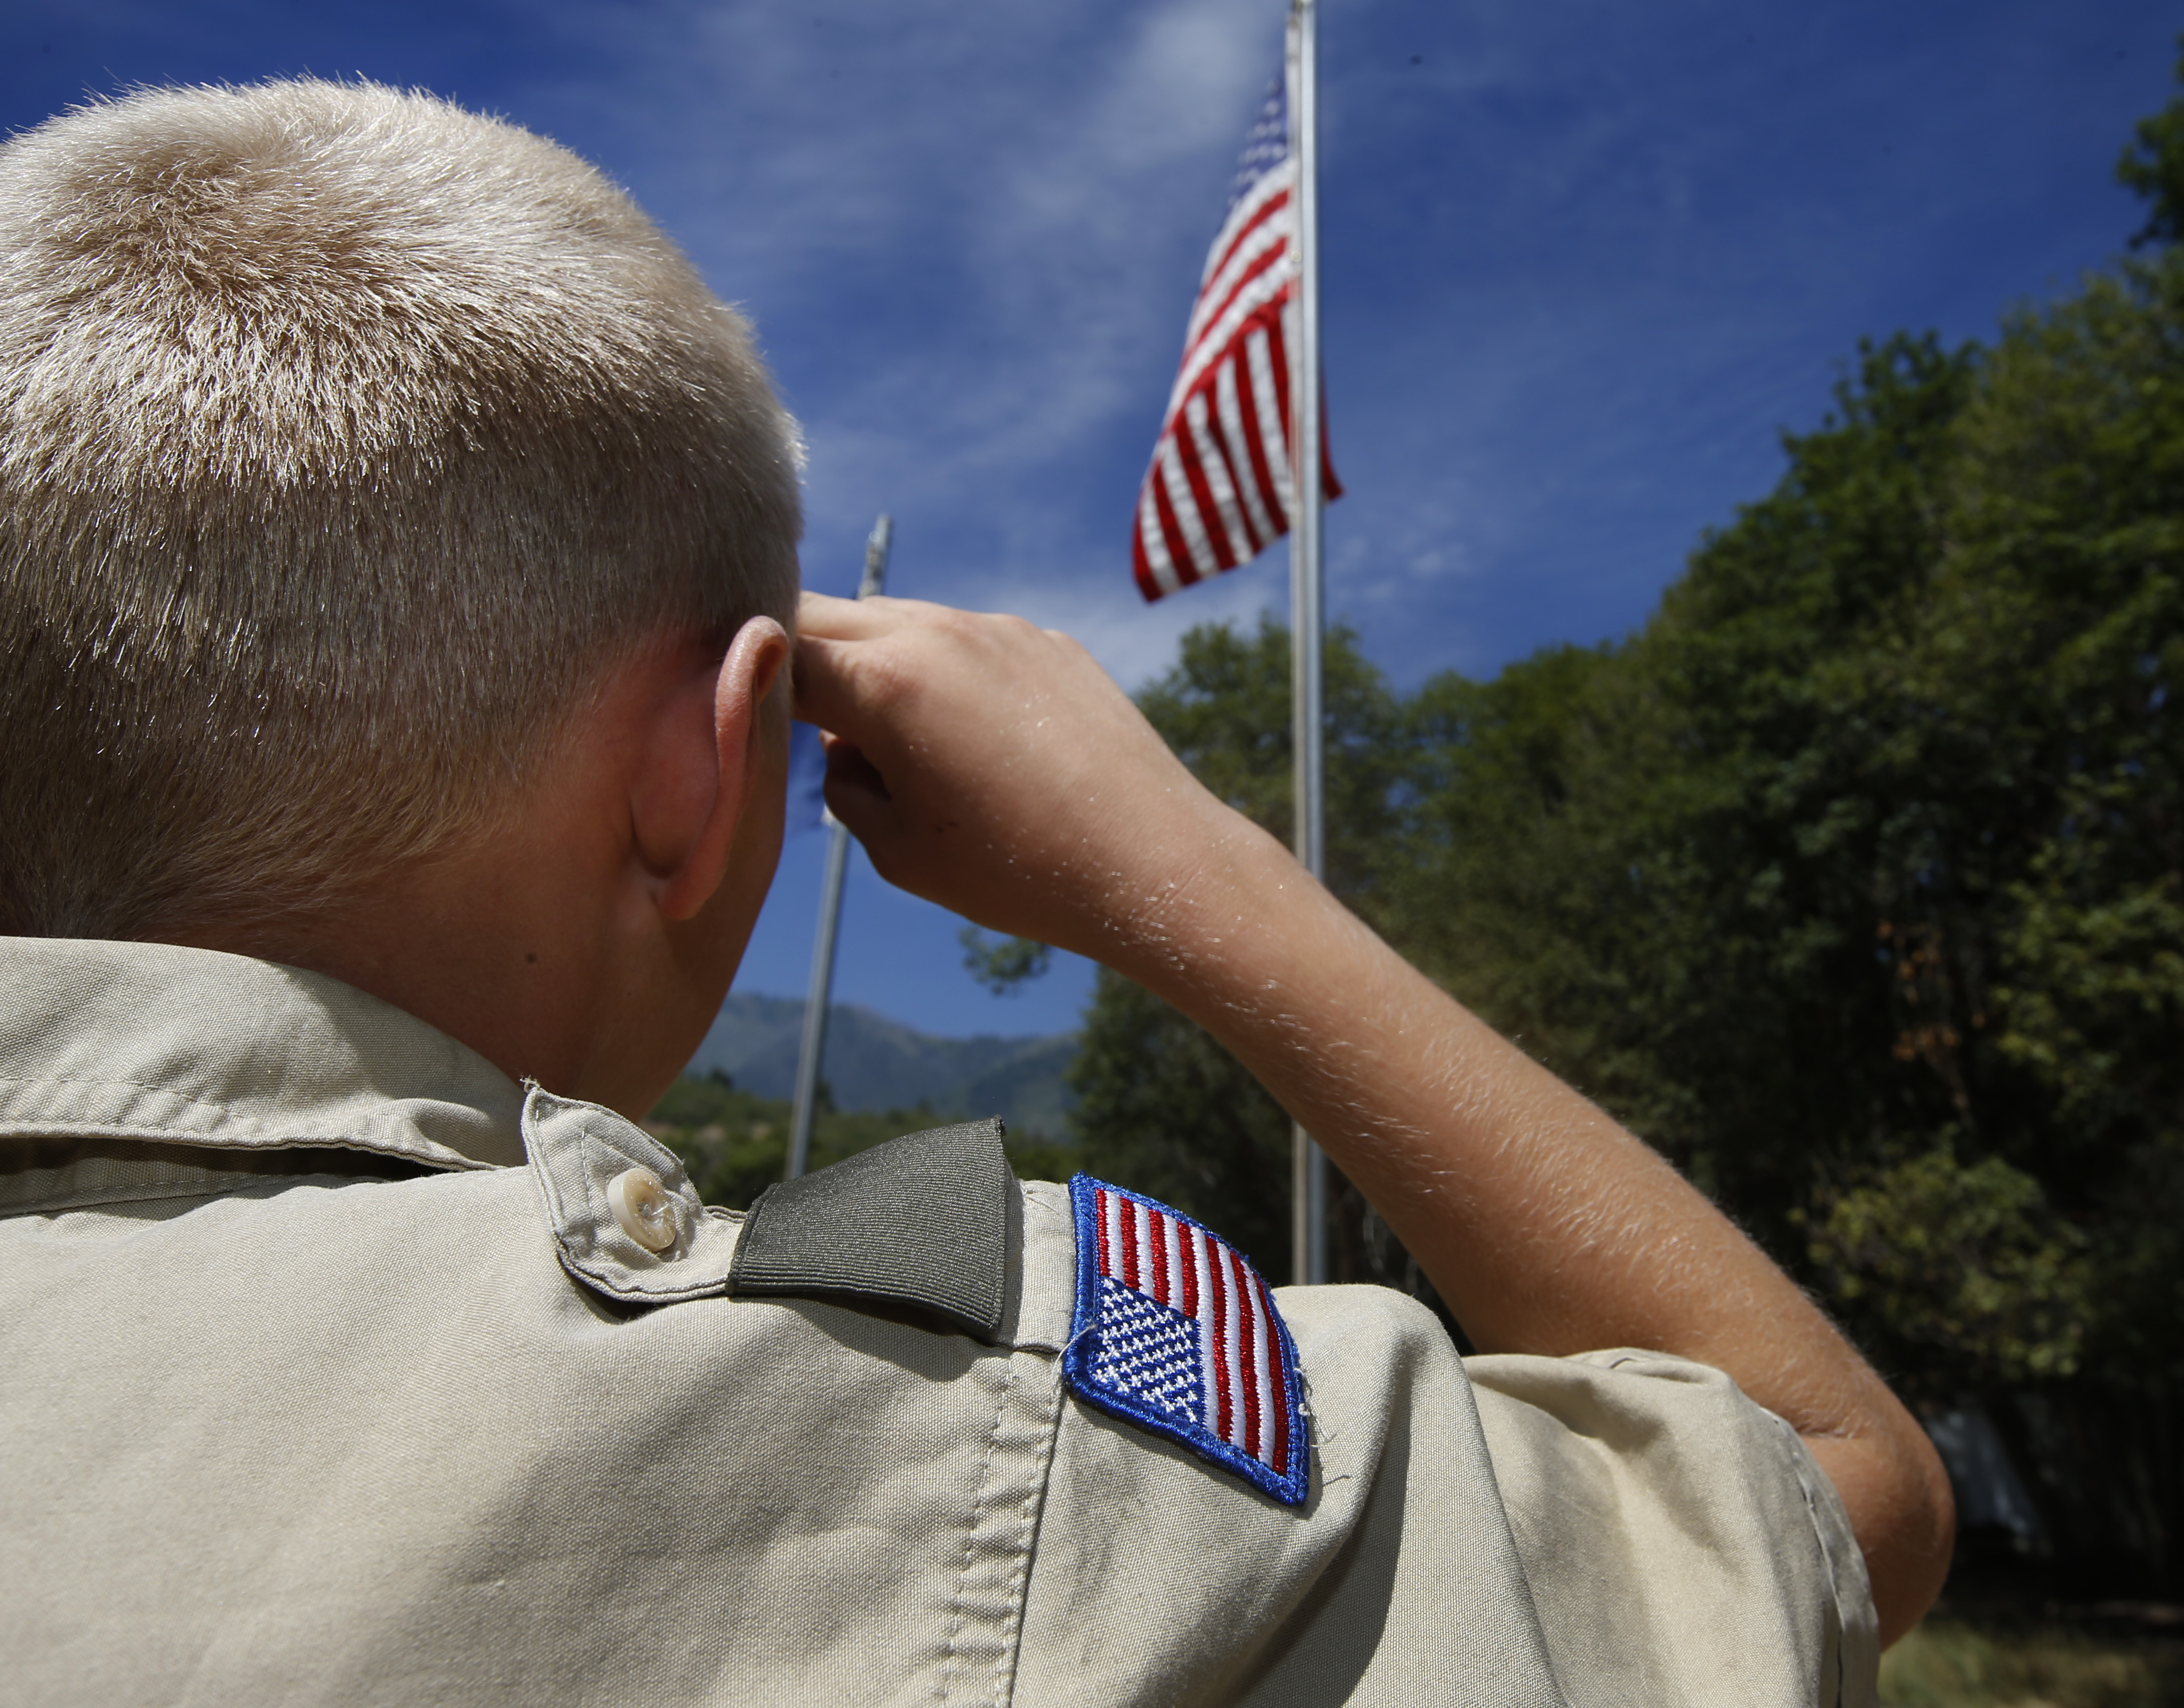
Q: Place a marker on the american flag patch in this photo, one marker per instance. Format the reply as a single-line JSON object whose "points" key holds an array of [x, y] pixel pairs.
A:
{"points": [[1175, 1333]]}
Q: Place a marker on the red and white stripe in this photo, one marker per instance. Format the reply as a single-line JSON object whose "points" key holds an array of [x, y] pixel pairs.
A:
{"points": [[1218, 491], [1187, 1270]]}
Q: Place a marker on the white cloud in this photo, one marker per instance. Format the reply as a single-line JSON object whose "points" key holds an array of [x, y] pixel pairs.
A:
{"points": [[1021, 194]]}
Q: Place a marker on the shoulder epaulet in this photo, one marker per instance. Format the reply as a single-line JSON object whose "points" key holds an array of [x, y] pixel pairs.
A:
{"points": [[922, 1220]]}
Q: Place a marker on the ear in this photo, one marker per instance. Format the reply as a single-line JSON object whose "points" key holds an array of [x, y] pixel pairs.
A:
{"points": [[709, 752]]}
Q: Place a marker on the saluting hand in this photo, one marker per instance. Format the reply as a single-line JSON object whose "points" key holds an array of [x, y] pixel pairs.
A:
{"points": [[994, 768]]}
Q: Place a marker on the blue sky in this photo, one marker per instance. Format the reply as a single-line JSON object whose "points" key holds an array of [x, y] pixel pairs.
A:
{"points": [[1584, 261]]}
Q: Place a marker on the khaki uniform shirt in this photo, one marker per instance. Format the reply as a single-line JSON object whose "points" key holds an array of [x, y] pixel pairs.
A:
{"points": [[328, 1374]]}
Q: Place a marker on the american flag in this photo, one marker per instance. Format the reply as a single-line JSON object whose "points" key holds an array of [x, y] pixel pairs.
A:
{"points": [[1176, 1331], [1218, 491]]}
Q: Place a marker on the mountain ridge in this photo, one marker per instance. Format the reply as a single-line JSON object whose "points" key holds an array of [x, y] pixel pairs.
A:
{"points": [[875, 1062]]}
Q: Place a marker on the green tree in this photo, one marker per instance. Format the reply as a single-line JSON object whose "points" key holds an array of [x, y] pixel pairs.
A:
{"points": [[2154, 166], [1003, 964], [1971, 1266], [1856, 879], [1663, 866], [2058, 633]]}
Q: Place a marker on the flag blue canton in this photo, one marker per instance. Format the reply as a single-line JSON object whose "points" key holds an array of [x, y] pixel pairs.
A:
{"points": [[1266, 146], [1147, 1349]]}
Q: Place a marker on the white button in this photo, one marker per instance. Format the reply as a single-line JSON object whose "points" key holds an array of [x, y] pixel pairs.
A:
{"points": [[644, 1209]]}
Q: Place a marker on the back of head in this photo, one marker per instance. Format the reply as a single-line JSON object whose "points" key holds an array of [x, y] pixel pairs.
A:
{"points": [[345, 440]]}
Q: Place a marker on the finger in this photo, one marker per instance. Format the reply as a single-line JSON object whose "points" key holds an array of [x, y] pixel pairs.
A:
{"points": [[857, 796], [855, 777], [825, 695], [822, 614], [830, 618]]}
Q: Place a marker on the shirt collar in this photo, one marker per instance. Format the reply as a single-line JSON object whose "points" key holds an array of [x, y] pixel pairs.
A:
{"points": [[147, 1043]]}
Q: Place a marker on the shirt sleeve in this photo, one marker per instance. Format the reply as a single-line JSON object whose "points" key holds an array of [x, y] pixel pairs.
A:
{"points": [[1681, 1544]]}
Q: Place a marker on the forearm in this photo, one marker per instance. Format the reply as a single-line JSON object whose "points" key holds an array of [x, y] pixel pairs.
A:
{"points": [[1544, 1226]]}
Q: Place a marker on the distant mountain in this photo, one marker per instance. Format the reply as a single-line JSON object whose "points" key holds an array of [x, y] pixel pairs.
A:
{"points": [[873, 1062]]}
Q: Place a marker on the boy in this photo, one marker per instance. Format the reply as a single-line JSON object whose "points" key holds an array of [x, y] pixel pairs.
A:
{"points": [[397, 577]]}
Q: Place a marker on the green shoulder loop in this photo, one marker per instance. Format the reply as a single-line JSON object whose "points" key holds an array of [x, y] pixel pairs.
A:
{"points": [[922, 1220]]}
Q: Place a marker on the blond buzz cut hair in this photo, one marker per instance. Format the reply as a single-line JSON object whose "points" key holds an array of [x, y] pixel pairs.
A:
{"points": [[347, 440]]}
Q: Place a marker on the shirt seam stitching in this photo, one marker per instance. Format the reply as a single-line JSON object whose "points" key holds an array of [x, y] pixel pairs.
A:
{"points": [[971, 1535], [1029, 1516]]}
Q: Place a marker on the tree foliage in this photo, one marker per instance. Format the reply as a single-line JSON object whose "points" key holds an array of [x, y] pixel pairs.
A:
{"points": [[1004, 965], [1852, 880], [2154, 166], [1970, 1264]]}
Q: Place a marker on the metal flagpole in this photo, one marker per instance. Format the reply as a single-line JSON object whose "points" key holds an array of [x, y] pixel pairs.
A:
{"points": [[1307, 621], [822, 989]]}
